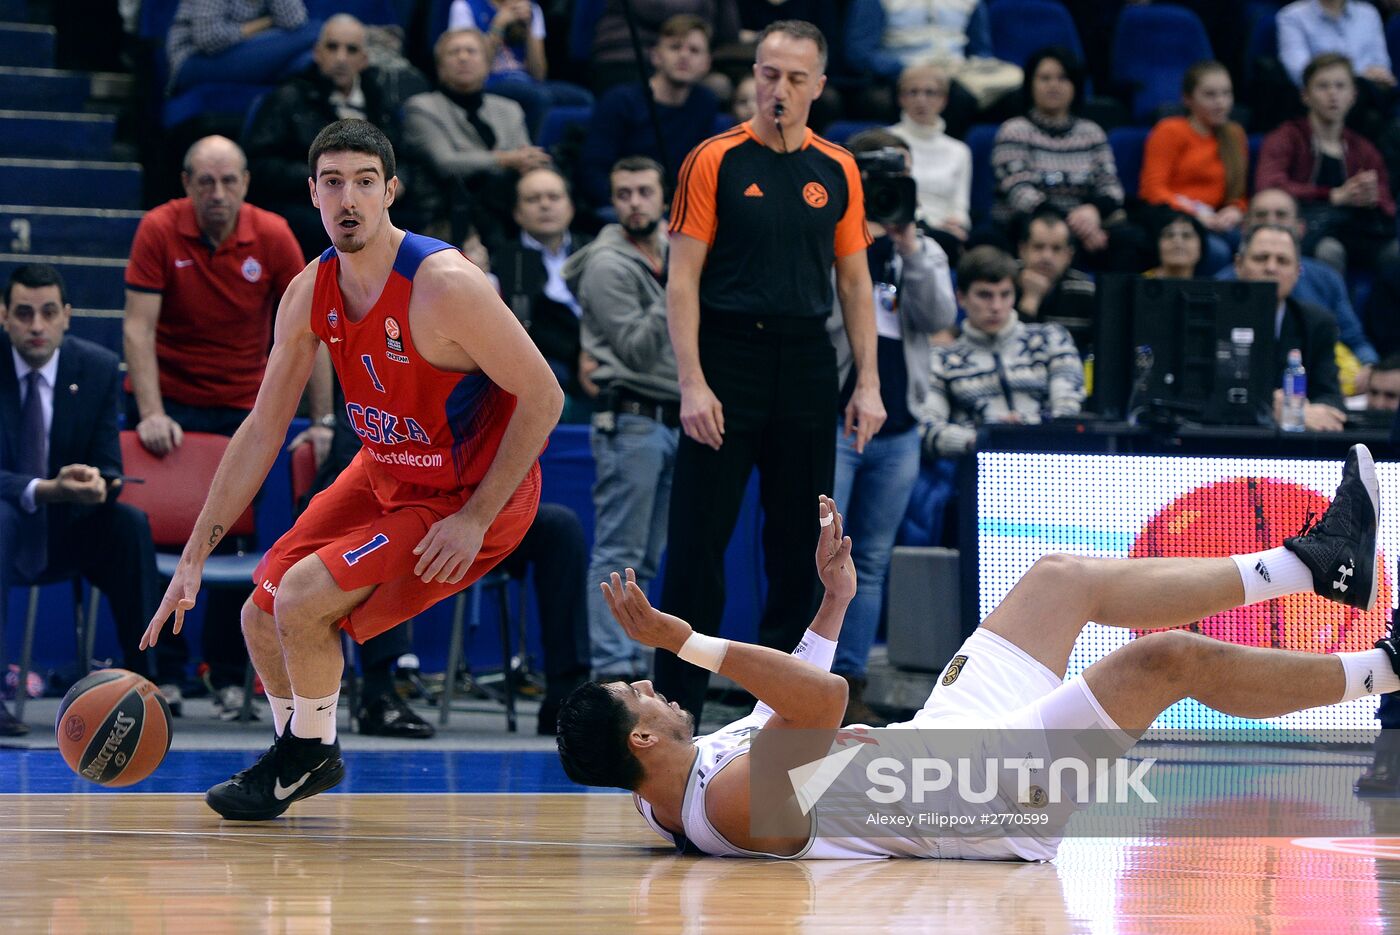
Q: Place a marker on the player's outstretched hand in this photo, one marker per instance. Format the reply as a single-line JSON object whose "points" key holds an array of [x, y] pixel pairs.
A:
{"points": [[179, 598], [834, 564], [641, 621], [448, 550]]}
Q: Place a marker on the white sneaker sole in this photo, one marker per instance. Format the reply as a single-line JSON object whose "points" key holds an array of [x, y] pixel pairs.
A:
{"points": [[1366, 468]]}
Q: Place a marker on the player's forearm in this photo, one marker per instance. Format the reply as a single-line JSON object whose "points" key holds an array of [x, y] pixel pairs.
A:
{"points": [[526, 433], [683, 322], [830, 615], [320, 392], [249, 456], [139, 344], [797, 691]]}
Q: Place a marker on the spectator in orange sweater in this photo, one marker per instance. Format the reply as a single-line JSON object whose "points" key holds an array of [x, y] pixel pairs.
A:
{"points": [[1198, 164]]}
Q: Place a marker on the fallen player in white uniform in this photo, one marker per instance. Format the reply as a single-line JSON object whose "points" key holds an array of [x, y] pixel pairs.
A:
{"points": [[1009, 675]]}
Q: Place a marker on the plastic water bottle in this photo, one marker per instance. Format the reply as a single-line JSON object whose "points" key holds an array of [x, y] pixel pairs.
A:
{"points": [[1295, 392]]}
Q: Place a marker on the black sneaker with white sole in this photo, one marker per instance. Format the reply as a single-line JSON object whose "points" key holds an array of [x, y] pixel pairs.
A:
{"points": [[1340, 549], [290, 770]]}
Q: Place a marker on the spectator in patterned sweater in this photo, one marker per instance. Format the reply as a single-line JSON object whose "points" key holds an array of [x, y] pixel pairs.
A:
{"points": [[1052, 157], [999, 369], [1336, 174]]}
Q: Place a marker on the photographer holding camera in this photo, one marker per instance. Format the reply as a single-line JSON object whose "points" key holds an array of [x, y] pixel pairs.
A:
{"points": [[913, 297]]}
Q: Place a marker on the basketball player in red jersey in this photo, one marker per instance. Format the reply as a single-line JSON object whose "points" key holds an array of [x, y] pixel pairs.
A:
{"points": [[452, 404]]}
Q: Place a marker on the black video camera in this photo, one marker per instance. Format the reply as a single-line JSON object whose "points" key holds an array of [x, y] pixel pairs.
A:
{"points": [[890, 196]]}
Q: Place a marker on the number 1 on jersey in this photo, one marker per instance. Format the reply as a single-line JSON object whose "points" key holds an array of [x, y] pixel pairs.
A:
{"points": [[374, 377]]}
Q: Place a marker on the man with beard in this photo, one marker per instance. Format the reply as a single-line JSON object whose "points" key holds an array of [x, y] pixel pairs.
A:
{"points": [[685, 109], [619, 281], [452, 403]]}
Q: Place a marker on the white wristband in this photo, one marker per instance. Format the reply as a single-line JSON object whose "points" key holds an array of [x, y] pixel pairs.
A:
{"points": [[707, 652]]}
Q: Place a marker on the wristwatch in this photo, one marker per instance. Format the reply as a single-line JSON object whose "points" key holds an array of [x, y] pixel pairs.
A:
{"points": [[326, 421]]}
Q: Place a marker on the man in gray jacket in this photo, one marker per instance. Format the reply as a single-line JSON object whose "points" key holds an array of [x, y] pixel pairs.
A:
{"points": [[465, 136], [913, 299], [619, 281]]}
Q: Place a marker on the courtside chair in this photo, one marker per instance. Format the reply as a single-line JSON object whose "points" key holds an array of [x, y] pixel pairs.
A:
{"points": [[171, 497], [84, 629]]}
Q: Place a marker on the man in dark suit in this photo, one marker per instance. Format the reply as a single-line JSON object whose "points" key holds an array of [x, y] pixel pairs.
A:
{"points": [[61, 465], [1269, 253], [531, 272]]}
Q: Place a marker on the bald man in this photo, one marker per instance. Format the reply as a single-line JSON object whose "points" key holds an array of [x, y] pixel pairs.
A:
{"points": [[339, 83], [202, 286]]}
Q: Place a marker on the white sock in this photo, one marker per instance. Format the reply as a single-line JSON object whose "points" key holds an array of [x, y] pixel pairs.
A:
{"points": [[1368, 673], [314, 718], [1272, 574], [281, 712]]}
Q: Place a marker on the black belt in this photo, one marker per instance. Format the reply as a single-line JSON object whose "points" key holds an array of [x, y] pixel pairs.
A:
{"points": [[625, 402]]}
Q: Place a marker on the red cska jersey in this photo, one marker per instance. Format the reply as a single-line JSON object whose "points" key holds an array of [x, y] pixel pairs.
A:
{"points": [[421, 427]]}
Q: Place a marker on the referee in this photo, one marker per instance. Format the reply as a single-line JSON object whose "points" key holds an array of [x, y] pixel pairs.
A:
{"points": [[761, 216]]}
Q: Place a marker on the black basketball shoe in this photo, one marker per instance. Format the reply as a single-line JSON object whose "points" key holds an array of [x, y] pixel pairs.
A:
{"points": [[291, 769], [1340, 550]]}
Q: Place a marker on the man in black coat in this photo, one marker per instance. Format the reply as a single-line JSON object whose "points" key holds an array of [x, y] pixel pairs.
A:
{"points": [[1269, 252], [61, 465], [339, 84]]}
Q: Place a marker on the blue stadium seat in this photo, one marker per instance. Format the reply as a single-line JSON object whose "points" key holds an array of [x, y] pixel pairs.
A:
{"points": [[1127, 144], [558, 120], [70, 184], [92, 283], [723, 121], [1263, 37], [1256, 140], [1152, 48], [1022, 27], [369, 12], [100, 326], [67, 231], [1392, 39], [583, 22], [44, 89], [56, 136], [839, 131], [980, 139], [211, 99], [26, 46]]}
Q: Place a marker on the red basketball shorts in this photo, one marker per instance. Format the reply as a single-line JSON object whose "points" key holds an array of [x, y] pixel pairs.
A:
{"points": [[364, 542]]}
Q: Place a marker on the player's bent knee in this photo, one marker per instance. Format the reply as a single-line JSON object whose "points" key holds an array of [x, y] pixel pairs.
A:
{"points": [[254, 619], [1170, 655], [302, 594], [1057, 568]]}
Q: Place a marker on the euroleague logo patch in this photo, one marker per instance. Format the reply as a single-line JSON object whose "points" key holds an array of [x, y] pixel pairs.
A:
{"points": [[393, 340], [814, 193], [955, 668]]}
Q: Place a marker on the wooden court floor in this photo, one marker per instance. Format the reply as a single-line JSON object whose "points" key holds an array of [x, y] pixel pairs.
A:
{"points": [[162, 863]]}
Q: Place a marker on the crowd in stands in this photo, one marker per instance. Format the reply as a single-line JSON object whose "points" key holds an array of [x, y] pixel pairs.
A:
{"points": [[1036, 172]]}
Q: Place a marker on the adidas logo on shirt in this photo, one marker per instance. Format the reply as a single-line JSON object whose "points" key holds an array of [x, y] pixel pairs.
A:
{"points": [[753, 191]]}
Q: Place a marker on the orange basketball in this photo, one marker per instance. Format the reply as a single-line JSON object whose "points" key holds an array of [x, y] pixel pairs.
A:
{"points": [[113, 727]]}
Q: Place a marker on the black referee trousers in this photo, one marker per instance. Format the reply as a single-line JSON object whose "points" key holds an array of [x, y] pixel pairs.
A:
{"points": [[776, 378]]}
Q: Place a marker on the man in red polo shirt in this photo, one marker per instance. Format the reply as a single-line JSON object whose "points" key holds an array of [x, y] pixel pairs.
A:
{"points": [[202, 287]]}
